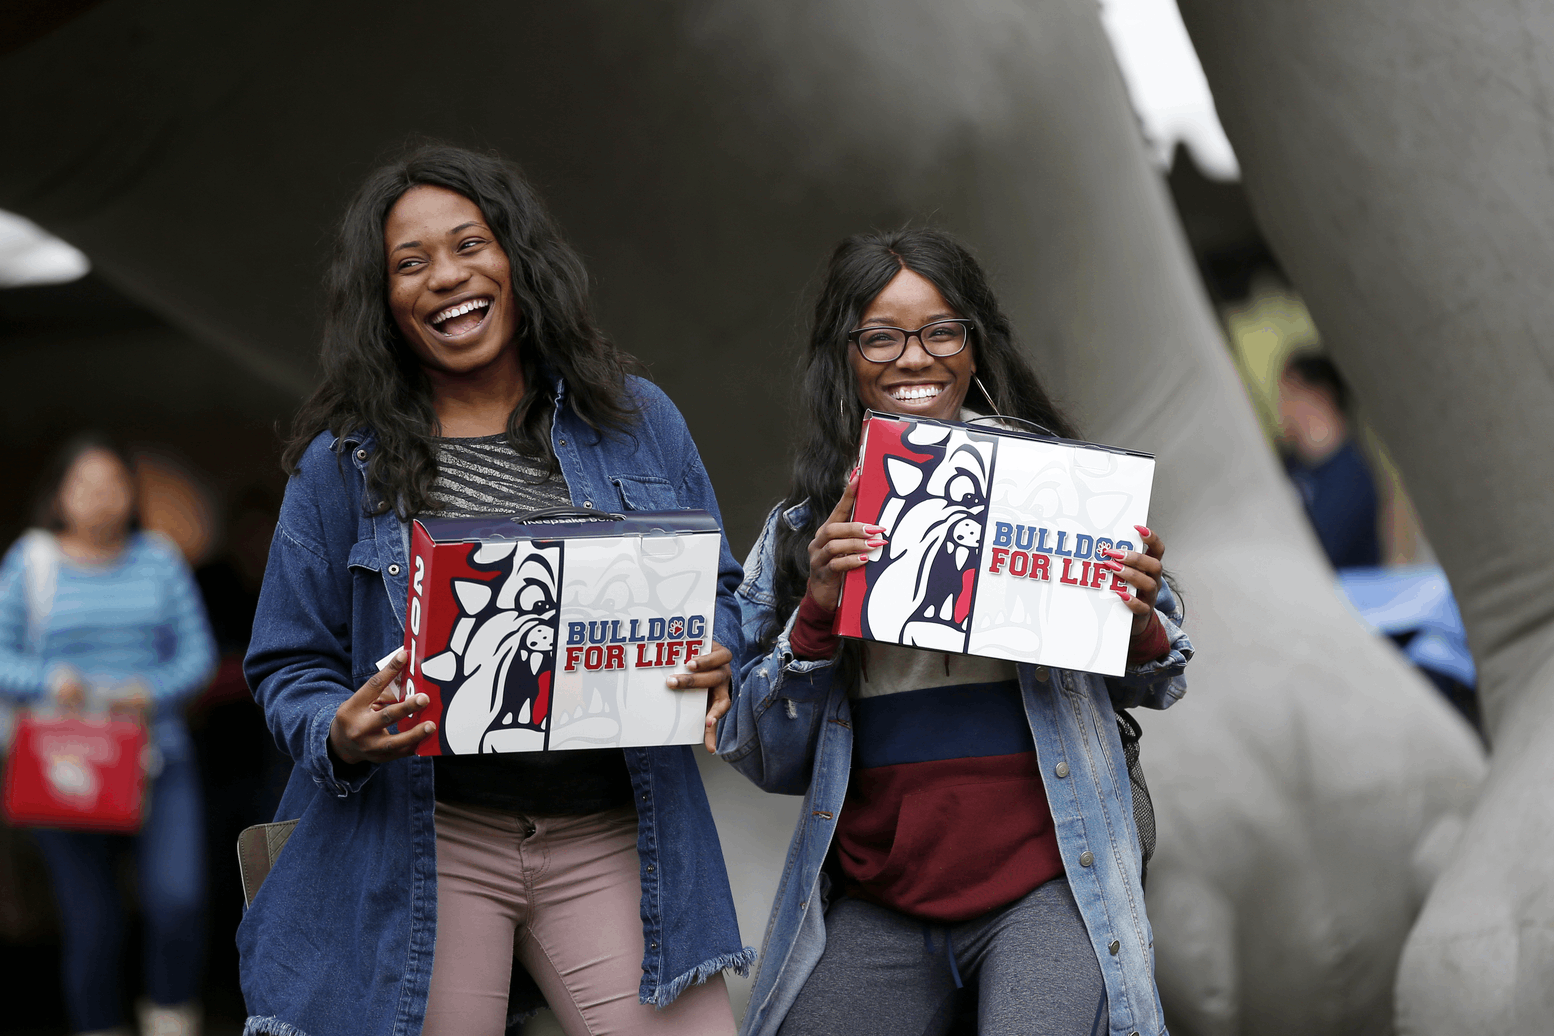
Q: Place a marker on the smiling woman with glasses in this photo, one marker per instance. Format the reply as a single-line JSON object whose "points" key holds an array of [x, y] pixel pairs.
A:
{"points": [[967, 848]]}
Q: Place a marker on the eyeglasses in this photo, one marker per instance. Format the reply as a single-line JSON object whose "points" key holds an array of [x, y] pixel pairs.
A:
{"points": [[886, 344]]}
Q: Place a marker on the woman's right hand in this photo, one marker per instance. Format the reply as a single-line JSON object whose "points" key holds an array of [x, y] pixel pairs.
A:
{"points": [[359, 732], [839, 547]]}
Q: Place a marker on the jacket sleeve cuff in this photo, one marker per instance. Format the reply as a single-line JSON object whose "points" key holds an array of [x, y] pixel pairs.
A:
{"points": [[1179, 650], [321, 764], [788, 659]]}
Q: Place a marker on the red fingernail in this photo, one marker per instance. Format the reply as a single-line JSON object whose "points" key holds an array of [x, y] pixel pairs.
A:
{"points": [[874, 543], [863, 557], [874, 529], [1142, 531], [1115, 566], [1123, 594]]}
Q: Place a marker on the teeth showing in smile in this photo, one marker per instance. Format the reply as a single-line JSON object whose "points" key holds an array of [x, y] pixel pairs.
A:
{"points": [[456, 311], [909, 393]]}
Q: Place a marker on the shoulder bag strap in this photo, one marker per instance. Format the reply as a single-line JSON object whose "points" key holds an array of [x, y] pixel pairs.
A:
{"points": [[40, 564]]}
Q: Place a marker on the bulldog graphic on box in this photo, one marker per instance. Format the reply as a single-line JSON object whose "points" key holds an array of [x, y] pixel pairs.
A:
{"points": [[992, 540], [549, 632]]}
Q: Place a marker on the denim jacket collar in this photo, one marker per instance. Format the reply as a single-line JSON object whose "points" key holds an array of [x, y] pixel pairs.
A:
{"points": [[797, 515]]}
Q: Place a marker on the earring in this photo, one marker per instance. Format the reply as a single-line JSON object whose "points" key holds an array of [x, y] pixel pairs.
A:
{"points": [[983, 388]]}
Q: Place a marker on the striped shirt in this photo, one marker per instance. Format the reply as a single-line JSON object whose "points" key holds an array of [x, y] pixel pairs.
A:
{"points": [[946, 816], [485, 475]]}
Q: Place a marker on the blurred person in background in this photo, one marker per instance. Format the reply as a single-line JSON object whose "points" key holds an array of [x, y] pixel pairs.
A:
{"points": [[1325, 463], [1412, 604], [114, 623]]}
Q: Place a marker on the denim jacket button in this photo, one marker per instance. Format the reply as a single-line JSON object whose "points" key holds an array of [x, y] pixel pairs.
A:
{"points": [[1086, 858], [1061, 769], [588, 503], [1042, 672], [1114, 946], [361, 454], [393, 570]]}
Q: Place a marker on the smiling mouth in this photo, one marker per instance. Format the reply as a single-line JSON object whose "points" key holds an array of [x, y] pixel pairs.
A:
{"points": [[460, 319], [914, 393]]}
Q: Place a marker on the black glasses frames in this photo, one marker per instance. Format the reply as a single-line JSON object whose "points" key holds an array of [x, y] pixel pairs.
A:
{"points": [[881, 343]]}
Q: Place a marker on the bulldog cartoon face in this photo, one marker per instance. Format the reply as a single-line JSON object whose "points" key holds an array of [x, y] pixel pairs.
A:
{"points": [[922, 591], [495, 675]]}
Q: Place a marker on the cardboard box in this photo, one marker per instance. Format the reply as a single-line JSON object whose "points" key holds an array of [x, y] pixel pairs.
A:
{"points": [[991, 542], [559, 634]]}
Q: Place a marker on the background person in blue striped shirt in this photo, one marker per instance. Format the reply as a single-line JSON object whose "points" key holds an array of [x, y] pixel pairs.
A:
{"points": [[96, 614]]}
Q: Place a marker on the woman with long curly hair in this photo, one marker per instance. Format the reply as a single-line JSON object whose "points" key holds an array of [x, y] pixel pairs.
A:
{"points": [[967, 832], [463, 375]]}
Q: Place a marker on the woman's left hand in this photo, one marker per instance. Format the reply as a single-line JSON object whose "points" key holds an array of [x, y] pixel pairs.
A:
{"points": [[1142, 572], [715, 672]]}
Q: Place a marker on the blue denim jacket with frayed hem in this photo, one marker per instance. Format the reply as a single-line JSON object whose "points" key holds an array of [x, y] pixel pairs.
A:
{"points": [[340, 936], [790, 731]]}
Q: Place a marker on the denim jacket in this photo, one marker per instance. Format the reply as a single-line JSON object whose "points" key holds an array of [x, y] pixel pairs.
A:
{"points": [[340, 936], [790, 731]]}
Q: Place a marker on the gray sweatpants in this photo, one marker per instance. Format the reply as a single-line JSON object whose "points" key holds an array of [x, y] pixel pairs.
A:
{"points": [[1031, 965]]}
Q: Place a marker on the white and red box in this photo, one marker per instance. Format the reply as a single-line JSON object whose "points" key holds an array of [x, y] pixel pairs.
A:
{"points": [[992, 540], [547, 634]]}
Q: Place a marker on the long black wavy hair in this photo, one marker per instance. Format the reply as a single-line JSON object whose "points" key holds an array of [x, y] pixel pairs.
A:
{"points": [[859, 269], [373, 381]]}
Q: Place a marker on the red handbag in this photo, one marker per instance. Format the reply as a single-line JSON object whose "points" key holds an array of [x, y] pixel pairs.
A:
{"points": [[82, 773]]}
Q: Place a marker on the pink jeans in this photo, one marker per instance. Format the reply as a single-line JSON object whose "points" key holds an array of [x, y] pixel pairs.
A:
{"points": [[564, 894]]}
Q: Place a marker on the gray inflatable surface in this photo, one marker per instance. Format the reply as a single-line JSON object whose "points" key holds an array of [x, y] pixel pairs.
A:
{"points": [[1406, 184], [704, 157]]}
